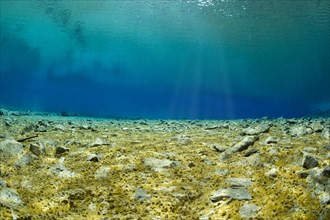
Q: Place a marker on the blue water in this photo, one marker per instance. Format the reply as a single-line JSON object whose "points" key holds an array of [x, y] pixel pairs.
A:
{"points": [[175, 59]]}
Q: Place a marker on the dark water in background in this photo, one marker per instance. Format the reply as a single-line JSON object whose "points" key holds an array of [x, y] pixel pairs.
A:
{"points": [[167, 58]]}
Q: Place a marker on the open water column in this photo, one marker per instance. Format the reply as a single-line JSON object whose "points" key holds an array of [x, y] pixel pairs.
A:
{"points": [[166, 59], [164, 109]]}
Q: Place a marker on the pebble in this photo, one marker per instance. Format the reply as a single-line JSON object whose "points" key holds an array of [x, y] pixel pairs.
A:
{"points": [[243, 145], [248, 211], [317, 127], [60, 150], [37, 149], [94, 157], [140, 194], [239, 182], [272, 172], [10, 198], [271, 140], [324, 198], [10, 148], [159, 165], [60, 170], [257, 130], [309, 162], [228, 193], [298, 131], [102, 172], [251, 151], [99, 142]]}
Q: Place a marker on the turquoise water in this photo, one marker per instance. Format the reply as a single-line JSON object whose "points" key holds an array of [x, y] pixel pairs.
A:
{"points": [[166, 59]]}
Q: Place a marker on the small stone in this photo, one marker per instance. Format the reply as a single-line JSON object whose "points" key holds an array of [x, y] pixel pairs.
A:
{"points": [[271, 140], [238, 194], [298, 131], [239, 182], [10, 148], [94, 157], [99, 142], [222, 172], [263, 128], [272, 173], [251, 151], [102, 172], [185, 141], [327, 146], [3, 183], [217, 147], [159, 165], [140, 194], [60, 150], [10, 198], [244, 144], [326, 172], [272, 151], [303, 174], [37, 149], [310, 162], [26, 159], [324, 198], [317, 127], [249, 211], [326, 134]]}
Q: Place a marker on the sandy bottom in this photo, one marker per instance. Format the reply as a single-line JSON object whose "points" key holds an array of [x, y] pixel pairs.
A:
{"points": [[79, 168]]}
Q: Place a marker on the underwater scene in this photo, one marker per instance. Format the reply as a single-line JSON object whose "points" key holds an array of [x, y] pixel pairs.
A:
{"points": [[165, 109]]}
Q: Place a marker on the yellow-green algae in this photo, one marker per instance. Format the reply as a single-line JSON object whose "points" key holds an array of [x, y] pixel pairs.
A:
{"points": [[181, 192]]}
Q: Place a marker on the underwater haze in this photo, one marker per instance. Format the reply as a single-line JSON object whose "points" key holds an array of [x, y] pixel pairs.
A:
{"points": [[168, 59]]}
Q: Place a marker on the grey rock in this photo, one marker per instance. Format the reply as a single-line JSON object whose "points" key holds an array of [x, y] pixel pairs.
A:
{"points": [[243, 145], [239, 182], [310, 162], [251, 151], [298, 130], [327, 146], [271, 140], [272, 173], [263, 128], [326, 172], [10, 148], [94, 157], [159, 165], [25, 160], [3, 183], [248, 211], [222, 172], [61, 150], [227, 193], [10, 198], [326, 134], [317, 127], [60, 170], [217, 147], [140, 194], [272, 151], [324, 198], [303, 173], [102, 173], [185, 141], [37, 149], [99, 142]]}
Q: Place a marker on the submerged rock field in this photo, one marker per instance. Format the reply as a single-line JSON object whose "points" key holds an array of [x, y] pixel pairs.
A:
{"points": [[55, 167]]}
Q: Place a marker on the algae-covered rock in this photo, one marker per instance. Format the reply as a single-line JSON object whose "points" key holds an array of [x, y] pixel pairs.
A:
{"points": [[10, 198], [10, 148], [227, 193], [248, 211], [159, 165]]}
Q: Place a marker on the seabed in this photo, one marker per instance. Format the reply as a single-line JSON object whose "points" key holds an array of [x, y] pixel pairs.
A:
{"points": [[55, 167]]}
